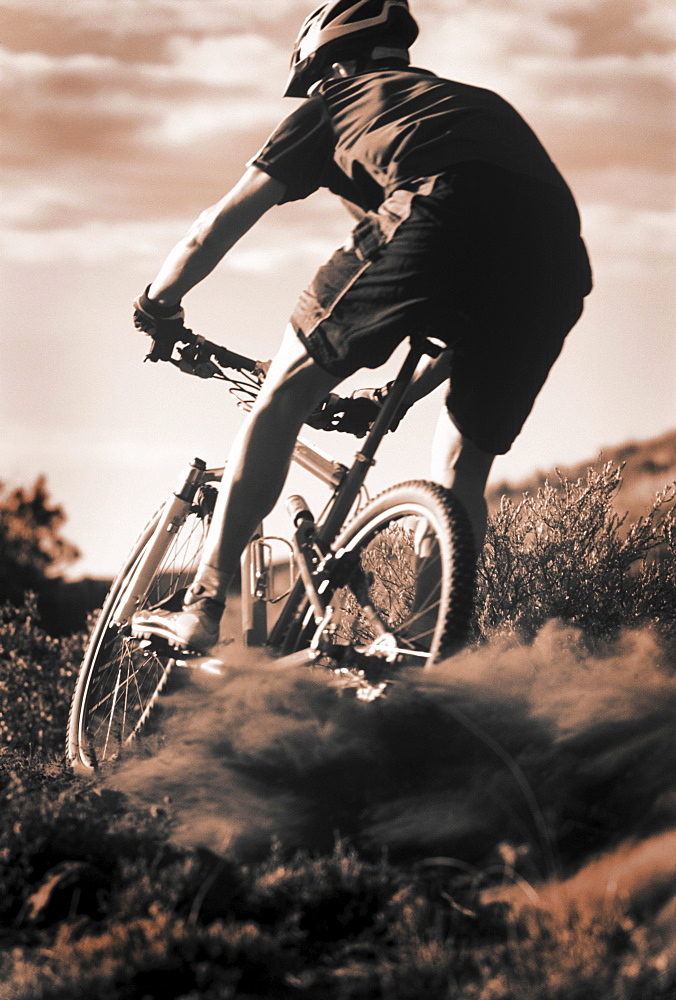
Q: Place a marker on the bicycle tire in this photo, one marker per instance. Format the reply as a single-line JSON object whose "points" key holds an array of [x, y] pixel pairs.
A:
{"points": [[121, 677], [416, 531]]}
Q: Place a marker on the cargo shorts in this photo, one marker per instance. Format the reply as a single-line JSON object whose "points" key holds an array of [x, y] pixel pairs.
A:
{"points": [[487, 261]]}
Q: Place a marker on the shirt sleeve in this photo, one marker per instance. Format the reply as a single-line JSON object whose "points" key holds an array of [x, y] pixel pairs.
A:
{"points": [[299, 153]]}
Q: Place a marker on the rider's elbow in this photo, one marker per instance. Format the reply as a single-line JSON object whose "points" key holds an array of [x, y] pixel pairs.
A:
{"points": [[202, 234]]}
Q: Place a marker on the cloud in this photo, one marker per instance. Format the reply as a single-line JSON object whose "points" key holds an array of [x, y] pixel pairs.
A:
{"points": [[609, 109], [630, 186], [595, 79], [617, 26], [232, 98], [280, 241], [91, 135], [191, 122], [120, 111], [227, 60], [137, 30], [631, 241], [98, 105], [91, 242], [598, 100]]}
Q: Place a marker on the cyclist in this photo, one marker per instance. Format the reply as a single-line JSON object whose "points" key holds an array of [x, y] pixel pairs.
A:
{"points": [[466, 232]]}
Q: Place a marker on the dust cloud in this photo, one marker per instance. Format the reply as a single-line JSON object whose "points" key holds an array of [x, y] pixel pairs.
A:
{"points": [[542, 750]]}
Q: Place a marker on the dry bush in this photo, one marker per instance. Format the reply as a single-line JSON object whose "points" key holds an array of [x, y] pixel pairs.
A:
{"points": [[37, 674], [565, 553], [145, 918]]}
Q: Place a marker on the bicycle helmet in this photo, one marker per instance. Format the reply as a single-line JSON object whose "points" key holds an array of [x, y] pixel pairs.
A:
{"points": [[341, 27]]}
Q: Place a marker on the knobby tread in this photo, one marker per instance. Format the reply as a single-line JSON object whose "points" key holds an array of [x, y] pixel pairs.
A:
{"points": [[461, 550], [455, 535], [96, 638], [78, 752]]}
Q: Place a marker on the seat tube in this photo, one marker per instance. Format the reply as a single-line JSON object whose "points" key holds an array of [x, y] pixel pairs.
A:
{"points": [[364, 459]]}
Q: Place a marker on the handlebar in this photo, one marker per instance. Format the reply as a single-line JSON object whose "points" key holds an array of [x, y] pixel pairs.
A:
{"points": [[195, 355]]}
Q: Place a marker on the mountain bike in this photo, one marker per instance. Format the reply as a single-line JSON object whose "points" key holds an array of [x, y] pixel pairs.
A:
{"points": [[372, 585]]}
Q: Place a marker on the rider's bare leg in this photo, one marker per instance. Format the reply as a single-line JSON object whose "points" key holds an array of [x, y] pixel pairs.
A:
{"points": [[458, 464], [259, 461]]}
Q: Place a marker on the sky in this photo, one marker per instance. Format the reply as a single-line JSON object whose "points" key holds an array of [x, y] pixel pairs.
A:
{"points": [[121, 120]]}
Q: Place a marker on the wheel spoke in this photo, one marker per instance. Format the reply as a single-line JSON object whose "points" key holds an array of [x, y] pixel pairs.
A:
{"points": [[412, 547], [112, 711], [124, 677]]}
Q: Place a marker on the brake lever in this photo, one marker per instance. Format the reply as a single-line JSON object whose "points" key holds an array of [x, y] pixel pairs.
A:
{"points": [[162, 350], [194, 360], [202, 369]]}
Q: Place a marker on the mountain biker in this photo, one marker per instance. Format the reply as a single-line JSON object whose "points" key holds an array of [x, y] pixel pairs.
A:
{"points": [[467, 232]]}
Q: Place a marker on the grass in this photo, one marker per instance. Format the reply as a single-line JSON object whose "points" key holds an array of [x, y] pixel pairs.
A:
{"points": [[98, 901]]}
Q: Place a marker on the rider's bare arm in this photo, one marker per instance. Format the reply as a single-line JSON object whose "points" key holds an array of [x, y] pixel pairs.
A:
{"points": [[214, 233]]}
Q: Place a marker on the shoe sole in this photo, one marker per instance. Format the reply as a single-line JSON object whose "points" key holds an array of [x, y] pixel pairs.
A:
{"points": [[173, 641]]}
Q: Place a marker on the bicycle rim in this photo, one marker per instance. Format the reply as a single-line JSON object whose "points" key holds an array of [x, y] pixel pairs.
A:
{"points": [[121, 677], [413, 562]]}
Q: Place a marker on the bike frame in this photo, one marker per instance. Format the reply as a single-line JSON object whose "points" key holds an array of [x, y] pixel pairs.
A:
{"points": [[346, 483]]}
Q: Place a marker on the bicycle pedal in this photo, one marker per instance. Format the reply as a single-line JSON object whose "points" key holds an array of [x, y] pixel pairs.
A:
{"points": [[182, 656], [351, 679], [207, 664], [158, 644]]}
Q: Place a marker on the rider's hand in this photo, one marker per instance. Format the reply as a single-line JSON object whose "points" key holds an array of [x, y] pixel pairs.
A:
{"points": [[163, 323]]}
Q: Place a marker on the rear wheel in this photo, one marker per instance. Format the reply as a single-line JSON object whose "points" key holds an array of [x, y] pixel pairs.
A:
{"points": [[121, 677], [409, 557]]}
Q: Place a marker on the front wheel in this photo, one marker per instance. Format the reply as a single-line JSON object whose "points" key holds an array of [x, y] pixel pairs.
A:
{"points": [[121, 677], [405, 569]]}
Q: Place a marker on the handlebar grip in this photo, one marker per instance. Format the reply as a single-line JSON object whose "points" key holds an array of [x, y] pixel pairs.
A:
{"points": [[194, 349], [230, 358]]}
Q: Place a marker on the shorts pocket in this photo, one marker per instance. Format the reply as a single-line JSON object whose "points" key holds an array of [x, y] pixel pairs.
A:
{"points": [[368, 238]]}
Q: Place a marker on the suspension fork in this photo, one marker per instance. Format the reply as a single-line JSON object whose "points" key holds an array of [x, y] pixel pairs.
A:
{"points": [[172, 516]]}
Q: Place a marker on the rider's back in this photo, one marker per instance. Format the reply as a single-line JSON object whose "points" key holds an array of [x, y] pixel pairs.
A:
{"points": [[367, 135]]}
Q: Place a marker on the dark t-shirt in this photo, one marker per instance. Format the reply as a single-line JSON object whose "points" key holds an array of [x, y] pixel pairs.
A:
{"points": [[365, 136]]}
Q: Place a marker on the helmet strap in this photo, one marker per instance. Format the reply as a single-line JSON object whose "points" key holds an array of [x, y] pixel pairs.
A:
{"points": [[345, 68], [338, 69]]}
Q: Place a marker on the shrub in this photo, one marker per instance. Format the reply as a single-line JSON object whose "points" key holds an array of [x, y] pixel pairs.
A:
{"points": [[565, 553], [96, 903], [31, 546], [37, 674]]}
